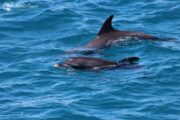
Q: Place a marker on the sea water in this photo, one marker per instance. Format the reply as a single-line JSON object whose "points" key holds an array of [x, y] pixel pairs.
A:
{"points": [[34, 35]]}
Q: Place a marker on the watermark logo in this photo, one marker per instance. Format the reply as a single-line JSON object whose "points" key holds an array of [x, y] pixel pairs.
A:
{"points": [[8, 6]]}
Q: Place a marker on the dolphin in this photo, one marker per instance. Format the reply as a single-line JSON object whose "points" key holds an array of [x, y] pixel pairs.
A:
{"points": [[91, 63], [107, 35]]}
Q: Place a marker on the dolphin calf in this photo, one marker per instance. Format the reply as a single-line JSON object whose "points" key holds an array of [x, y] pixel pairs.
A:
{"points": [[91, 63], [107, 35]]}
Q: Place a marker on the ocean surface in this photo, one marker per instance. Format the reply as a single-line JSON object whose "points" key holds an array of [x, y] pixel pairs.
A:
{"points": [[34, 35]]}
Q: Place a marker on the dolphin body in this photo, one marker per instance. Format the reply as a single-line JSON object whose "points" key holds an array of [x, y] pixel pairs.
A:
{"points": [[108, 35], [91, 63]]}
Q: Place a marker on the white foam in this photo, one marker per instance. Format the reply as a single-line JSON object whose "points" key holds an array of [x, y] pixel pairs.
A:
{"points": [[55, 65]]}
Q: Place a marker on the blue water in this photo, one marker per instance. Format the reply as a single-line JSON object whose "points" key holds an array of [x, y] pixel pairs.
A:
{"points": [[32, 39]]}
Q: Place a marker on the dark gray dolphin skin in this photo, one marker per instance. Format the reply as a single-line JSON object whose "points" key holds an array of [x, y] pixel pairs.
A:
{"points": [[90, 63], [108, 35]]}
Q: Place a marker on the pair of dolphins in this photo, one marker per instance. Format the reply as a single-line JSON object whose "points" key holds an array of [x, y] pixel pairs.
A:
{"points": [[105, 38]]}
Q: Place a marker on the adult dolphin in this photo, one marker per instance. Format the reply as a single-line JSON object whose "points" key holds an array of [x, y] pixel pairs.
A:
{"points": [[108, 35], [91, 63]]}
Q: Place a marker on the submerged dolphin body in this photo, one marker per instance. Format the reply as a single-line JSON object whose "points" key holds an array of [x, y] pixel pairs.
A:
{"points": [[108, 35], [90, 63]]}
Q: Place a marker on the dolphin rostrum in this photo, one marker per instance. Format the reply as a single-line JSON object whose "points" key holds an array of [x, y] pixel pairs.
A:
{"points": [[91, 63]]}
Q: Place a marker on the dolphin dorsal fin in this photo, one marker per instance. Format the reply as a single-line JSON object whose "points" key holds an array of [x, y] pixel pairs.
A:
{"points": [[107, 26]]}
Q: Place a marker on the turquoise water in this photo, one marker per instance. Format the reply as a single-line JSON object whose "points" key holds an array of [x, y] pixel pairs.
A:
{"points": [[34, 37]]}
